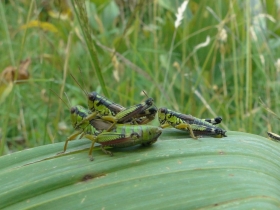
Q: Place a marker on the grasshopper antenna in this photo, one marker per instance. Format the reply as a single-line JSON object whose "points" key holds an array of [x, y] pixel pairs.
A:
{"points": [[85, 92], [268, 109], [67, 98], [145, 93], [62, 99]]}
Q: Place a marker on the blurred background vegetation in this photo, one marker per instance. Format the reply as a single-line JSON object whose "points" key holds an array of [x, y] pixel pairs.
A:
{"points": [[221, 59]]}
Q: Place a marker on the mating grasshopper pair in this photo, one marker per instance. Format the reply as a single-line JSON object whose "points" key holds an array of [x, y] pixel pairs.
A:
{"points": [[103, 108], [138, 114], [169, 118], [102, 124]]}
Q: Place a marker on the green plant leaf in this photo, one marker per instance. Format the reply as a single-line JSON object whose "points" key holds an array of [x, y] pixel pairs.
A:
{"points": [[111, 11], [240, 171]]}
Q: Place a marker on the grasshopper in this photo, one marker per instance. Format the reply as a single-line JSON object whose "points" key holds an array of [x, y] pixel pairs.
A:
{"points": [[120, 136], [192, 124], [138, 114], [110, 111], [273, 136], [142, 113]]}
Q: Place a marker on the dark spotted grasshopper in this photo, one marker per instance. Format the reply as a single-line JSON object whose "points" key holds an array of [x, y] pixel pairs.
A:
{"points": [[103, 108], [169, 118], [120, 136], [138, 114], [273, 136]]}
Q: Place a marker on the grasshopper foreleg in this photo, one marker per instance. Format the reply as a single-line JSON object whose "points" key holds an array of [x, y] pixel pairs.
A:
{"points": [[88, 118], [70, 138]]}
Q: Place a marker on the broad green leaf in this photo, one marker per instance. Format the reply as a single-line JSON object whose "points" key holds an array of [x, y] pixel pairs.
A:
{"points": [[110, 12], [240, 171]]}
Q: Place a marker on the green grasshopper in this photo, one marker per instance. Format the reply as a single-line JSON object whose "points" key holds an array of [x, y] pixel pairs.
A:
{"points": [[102, 105], [138, 114], [192, 124], [273, 136], [120, 136], [105, 107], [110, 111]]}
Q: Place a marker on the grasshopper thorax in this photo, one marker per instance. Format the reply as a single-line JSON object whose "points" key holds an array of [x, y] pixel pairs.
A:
{"points": [[92, 97], [100, 104]]}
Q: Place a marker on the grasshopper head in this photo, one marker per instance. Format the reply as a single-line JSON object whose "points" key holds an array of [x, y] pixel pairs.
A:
{"points": [[92, 98], [220, 132], [149, 102], [78, 113], [223, 133]]}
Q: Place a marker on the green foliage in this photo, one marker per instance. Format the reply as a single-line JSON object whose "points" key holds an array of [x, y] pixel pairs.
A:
{"points": [[237, 172], [134, 50]]}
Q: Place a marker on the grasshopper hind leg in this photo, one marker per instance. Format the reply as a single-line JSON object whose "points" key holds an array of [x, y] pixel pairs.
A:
{"points": [[93, 139], [70, 138], [214, 121]]}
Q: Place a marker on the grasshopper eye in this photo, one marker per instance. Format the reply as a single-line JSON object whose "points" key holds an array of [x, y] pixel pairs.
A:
{"points": [[163, 110], [149, 101], [73, 110], [92, 96]]}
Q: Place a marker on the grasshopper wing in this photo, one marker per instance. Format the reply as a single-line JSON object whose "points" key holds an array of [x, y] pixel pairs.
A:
{"points": [[114, 139]]}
